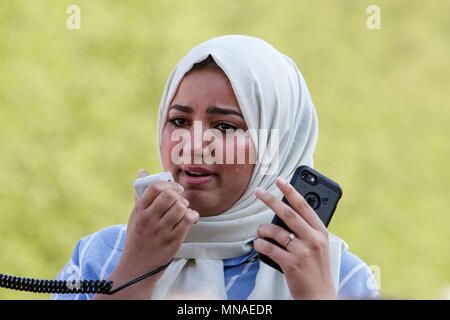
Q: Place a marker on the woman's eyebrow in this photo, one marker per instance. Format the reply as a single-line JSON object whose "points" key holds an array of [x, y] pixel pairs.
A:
{"points": [[181, 108], [215, 109], [211, 109]]}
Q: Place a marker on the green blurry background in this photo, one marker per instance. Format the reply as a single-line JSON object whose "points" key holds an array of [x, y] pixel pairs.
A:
{"points": [[78, 112]]}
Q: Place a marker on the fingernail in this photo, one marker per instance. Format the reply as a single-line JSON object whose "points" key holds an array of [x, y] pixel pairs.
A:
{"points": [[197, 217], [179, 187], [260, 191], [186, 202], [281, 181]]}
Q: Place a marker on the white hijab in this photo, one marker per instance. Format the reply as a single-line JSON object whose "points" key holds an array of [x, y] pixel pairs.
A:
{"points": [[272, 94]]}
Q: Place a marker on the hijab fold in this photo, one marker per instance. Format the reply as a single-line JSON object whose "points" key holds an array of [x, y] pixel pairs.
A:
{"points": [[272, 96]]}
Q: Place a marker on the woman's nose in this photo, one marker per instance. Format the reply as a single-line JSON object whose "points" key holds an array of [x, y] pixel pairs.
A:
{"points": [[198, 146]]}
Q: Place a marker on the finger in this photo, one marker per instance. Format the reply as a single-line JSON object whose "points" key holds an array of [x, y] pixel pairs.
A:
{"points": [[174, 215], [272, 231], [150, 194], [291, 218], [274, 252], [162, 203], [190, 217], [299, 204], [142, 173]]}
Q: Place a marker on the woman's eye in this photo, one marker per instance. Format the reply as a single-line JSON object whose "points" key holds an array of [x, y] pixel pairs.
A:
{"points": [[223, 126], [178, 122], [226, 126]]}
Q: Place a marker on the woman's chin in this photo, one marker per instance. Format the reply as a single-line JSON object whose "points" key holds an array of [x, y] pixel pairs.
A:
{"points": [[200, 201]]}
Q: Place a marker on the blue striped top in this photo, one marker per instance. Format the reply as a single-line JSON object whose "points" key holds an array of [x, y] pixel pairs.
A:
{"points": [[96, 255]]}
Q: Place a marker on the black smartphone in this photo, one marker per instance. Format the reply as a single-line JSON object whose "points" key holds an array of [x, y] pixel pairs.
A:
{"points": [[321, 193]]}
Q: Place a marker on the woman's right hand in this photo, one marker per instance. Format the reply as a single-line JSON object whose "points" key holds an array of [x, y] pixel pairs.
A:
{"points": [[157, 225], [156, 229]]}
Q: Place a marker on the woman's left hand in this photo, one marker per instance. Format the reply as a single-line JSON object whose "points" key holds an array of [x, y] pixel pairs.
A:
{"points": [[305, 260]]}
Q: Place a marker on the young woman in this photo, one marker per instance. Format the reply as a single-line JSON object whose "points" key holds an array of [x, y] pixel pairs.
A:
{"points": [[235, 121]]}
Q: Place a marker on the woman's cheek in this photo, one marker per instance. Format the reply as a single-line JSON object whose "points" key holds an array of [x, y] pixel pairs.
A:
{"points": [[244, 150], [243, 164], [167, 146], [238, 149]]}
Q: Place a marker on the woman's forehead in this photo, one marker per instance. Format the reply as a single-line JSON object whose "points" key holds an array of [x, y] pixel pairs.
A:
{"points": [[208, 90]]}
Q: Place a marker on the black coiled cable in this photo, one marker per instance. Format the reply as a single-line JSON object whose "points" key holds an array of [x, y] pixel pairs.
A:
{"points": [[54, 286], [67, 286]]}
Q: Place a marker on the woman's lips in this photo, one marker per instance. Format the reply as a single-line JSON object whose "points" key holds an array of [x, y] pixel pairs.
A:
{"points": [[196, 175]]}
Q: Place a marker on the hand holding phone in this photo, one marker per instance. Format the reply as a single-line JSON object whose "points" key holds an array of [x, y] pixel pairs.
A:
{"points": [[321, 193], [297, 242]]}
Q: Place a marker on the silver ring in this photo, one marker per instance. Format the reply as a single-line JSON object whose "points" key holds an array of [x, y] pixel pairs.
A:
{"points": [[291, 236]]}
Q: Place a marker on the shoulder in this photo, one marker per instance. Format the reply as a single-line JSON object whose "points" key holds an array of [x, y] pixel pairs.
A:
{"points": [[107, 237], [94, 251], [356, 279], [97, 247], [93, 257]]}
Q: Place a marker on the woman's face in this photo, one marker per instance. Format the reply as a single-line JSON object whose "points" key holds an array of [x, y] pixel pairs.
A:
{"points": [[205, 103]]}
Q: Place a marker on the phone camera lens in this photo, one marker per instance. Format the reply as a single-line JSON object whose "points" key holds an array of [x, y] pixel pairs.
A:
{"points": [[313, 200], [309, 177]]}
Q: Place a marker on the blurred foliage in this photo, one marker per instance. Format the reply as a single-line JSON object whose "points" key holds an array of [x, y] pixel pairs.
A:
{"points": [[78, 112]]}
